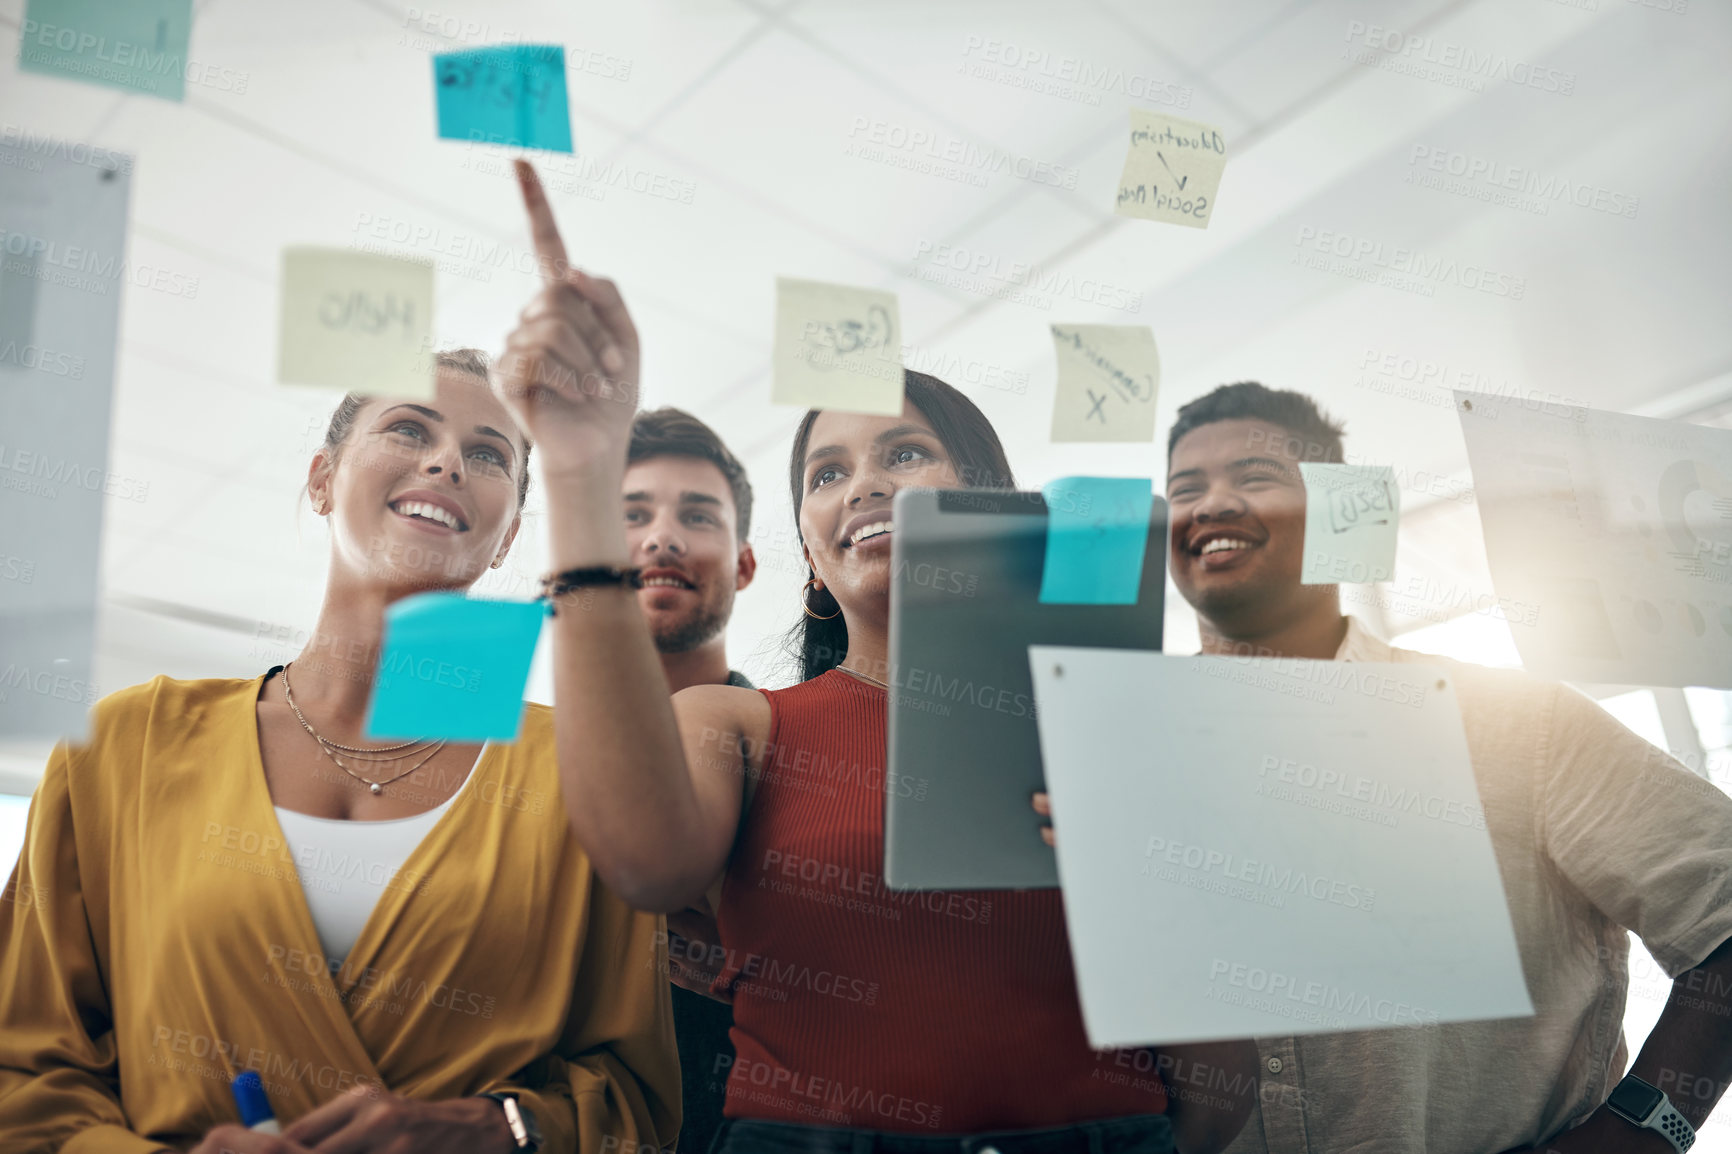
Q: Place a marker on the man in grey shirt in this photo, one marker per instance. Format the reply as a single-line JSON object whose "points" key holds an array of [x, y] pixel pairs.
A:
{"points": [[1596, 833]]}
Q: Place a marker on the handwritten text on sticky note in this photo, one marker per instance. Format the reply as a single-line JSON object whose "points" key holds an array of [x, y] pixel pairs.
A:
{"points": [[1097, 531], [139, 45], [512, 95], [1172, 170], [356, 321], [837, 347], [1352, 513], [1107, 379], [453, 668]]}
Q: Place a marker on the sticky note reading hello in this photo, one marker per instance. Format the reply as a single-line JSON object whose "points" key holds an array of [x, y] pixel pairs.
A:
{"points": [[356, 321], [1107, 379], [453, 668], [512, 95], [837, 347], [1172, 171], [139, 45], [1351, 517]]}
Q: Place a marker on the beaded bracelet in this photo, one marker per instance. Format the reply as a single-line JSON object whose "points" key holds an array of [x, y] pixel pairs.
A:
{"points": [[555, 584]]}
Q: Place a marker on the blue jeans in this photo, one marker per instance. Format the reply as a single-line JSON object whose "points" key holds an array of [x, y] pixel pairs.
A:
{"points": [[1141, 1134]]}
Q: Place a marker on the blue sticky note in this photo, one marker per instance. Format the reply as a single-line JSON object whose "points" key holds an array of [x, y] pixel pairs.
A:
{"points": [[1097, 530], [512, 94], [138, 45], [453, 668]]}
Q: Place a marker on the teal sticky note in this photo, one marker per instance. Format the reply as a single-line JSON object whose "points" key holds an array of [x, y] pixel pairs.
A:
{"points": [[453, 668], [138, 45], [513, 94], [1097, 530]]}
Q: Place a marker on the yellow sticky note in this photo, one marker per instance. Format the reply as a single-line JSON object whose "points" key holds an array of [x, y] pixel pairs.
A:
{"points": [[1172, 171], [837, 347], [356, 321], [1107, 379]]}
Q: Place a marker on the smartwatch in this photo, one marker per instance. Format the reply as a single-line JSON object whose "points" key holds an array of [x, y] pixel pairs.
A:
{"points": [[520, 1118], [1640, 1104]]}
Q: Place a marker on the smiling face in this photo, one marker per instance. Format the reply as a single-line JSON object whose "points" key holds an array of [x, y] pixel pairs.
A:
{"points": [[1238, 542], [423, 494], [681, 524], [854, 465]]}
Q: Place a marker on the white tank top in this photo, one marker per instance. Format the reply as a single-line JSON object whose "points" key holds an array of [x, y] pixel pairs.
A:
{"points": [[345, 865]]}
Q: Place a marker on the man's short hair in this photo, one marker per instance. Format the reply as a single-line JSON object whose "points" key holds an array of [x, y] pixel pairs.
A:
{"points": [[671, 432], [1318, 437]]}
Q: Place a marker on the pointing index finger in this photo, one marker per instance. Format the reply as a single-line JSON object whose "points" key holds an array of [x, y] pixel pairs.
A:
{"points": [[549, 249]]}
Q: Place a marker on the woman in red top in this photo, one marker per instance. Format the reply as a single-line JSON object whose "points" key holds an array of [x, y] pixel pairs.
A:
{"points": [[865, 1019]]}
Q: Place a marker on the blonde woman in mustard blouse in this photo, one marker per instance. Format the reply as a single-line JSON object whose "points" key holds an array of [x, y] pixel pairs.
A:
{"points": [[157, 939]]}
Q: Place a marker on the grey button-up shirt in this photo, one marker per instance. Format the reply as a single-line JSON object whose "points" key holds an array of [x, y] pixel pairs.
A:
{"points": [[1596, 832]]}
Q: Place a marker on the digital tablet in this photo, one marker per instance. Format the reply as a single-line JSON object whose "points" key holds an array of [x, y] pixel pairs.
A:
{"points": [[963, 749]]}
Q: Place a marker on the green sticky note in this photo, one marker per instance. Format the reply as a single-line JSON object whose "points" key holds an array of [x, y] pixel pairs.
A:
{"points": [[137, 45], [453, 668], [1097, 531], [513, 94]]}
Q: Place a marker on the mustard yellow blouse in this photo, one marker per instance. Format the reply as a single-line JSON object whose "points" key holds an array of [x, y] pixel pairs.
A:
{"points": [[155, 941]]}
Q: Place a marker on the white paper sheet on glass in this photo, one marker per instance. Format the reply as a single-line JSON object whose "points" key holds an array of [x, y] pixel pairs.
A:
{"points": [[1617, 530], [1255, 847], [63, 210]]}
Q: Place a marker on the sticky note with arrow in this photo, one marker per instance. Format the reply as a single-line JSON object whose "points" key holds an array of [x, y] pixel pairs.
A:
{"points": [[1172, 170]]}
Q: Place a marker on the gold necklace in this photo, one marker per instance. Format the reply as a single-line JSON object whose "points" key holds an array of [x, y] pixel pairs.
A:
{"points": [[328, 748], [862, 676]]}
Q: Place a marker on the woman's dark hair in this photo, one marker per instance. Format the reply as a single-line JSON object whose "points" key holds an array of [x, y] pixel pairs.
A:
{"points": [[976, 455], [471, 361]]}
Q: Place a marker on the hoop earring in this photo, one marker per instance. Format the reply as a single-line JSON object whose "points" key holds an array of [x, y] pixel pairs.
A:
{"points": [[809, 583]]}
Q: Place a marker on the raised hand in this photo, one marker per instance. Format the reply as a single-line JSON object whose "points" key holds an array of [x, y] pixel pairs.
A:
{"points": [[569, 372]]}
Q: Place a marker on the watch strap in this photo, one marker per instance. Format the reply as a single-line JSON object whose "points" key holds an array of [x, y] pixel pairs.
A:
{"points": [[524, 1132], [1673, 1126], [1662, 1116]]}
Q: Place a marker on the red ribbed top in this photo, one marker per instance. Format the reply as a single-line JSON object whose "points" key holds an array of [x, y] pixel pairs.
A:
{"points": [[860, 1006]]}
